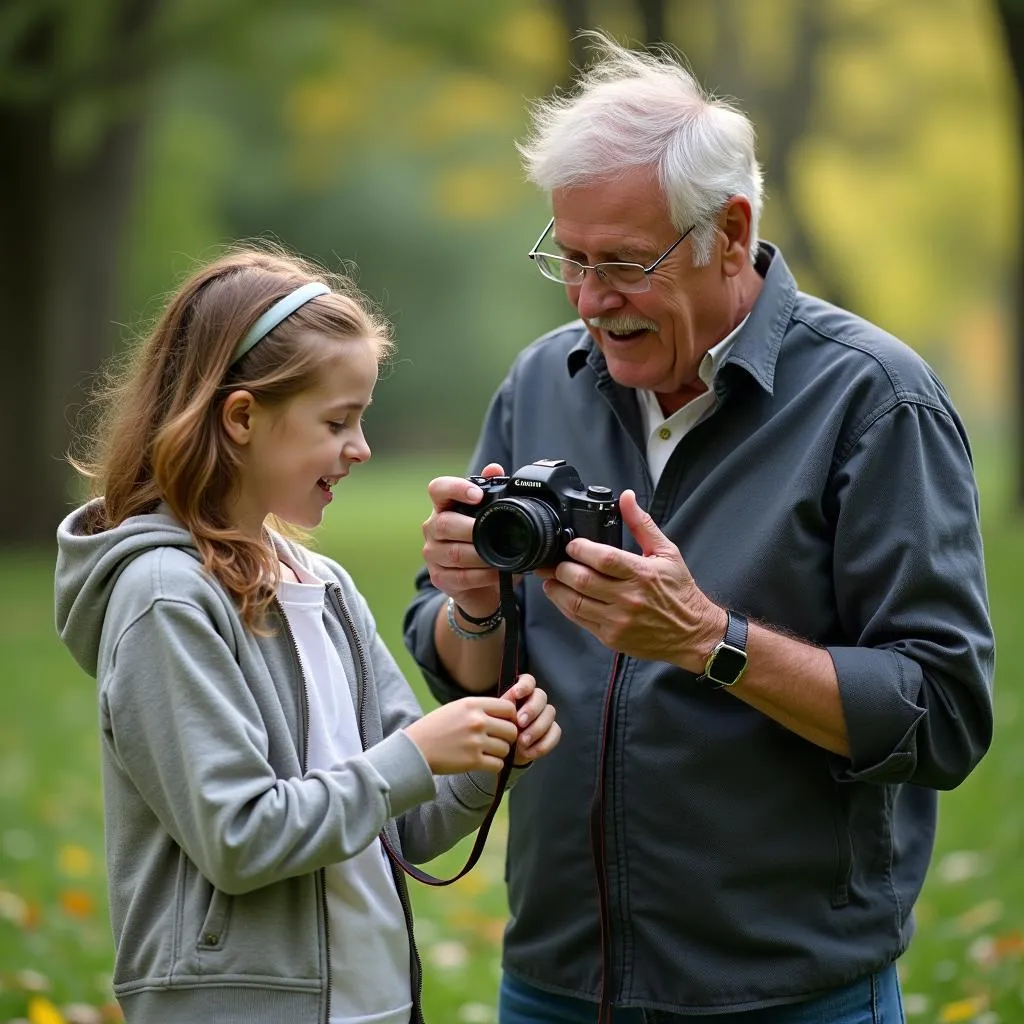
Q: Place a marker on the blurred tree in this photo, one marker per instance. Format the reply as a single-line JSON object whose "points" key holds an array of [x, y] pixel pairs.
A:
{"points": [[69, 141], [1011, 16], [75, 92]]}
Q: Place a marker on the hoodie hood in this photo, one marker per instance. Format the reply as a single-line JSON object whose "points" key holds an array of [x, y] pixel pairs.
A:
{"points": [[89, 564]]}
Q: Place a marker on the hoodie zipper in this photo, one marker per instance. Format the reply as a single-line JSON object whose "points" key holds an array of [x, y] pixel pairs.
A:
{"points": [[304, 759], [356, 642]]}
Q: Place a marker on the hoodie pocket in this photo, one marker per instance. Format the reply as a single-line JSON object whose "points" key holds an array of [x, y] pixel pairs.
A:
{"points": [[214, 929]]}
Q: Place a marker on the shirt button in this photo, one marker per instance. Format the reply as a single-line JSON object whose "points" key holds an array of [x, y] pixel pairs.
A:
{"points": [[664, 433], [210, 939]]}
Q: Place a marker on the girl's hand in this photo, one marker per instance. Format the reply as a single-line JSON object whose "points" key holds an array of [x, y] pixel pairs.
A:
{"points": [[539, 733], [470, 734]]}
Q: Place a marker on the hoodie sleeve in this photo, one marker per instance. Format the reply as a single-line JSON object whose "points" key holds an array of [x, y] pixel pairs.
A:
{"points": [[434, 826], [186, 728]]}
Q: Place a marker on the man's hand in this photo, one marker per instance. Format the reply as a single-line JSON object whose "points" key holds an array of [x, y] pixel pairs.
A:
{"points": [[455, 567], [647, 606]]}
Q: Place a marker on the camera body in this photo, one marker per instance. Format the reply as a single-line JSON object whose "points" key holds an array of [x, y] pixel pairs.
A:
{"points": [[524, 521]]}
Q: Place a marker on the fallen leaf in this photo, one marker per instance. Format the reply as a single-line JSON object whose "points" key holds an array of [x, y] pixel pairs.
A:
{"points": [[31, 981], [960, 865], [74, 861], [963, 1010], [448, 954], [1010, 944], [980, 916], [82, 1013], [77, 902], [13, 908], [42, 1011]]}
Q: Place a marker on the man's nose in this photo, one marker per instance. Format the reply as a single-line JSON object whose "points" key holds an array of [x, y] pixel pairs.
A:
{"points": [[594, 297]]}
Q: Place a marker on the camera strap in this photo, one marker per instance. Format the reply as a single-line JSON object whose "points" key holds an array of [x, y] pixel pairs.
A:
{"points": [[508, 672]]}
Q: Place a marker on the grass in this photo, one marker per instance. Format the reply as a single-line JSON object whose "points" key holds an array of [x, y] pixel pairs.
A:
{"points": [[966, 963]]}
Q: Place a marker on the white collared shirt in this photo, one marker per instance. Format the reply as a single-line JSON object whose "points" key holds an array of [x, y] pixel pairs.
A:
{"points": [[665, 432]]}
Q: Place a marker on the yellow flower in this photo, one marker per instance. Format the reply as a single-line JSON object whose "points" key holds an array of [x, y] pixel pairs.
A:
{"points": [[42, 1011]]}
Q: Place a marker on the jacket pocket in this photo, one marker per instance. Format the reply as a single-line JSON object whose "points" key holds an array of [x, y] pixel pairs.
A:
{"points": [[843, 843], [214, 929]]}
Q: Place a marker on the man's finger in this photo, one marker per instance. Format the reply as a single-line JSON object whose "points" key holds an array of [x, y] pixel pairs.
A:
{"points": [[643, 528]]}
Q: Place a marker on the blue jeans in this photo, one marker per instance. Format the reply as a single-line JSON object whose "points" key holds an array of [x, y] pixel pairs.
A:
{"points": [[874, 999]]}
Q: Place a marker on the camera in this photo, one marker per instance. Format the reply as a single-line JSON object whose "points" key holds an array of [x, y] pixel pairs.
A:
{"points": [[524, 521]]}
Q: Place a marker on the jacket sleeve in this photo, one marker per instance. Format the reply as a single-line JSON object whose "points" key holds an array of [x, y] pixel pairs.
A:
{"points": [[185, 727], [493, 445], [915, 678]]}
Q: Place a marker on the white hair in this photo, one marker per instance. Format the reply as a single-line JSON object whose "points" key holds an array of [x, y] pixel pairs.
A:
{"points": [[633, 109]]}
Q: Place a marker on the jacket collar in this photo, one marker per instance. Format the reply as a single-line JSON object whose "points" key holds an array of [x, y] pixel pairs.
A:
{"points": [[757, 344]]}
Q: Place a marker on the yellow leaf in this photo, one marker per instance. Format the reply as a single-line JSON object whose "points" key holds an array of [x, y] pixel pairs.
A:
{"points": [[42, 1011], [963, 1010], [74, 861]]}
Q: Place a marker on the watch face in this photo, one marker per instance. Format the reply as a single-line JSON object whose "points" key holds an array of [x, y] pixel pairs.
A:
{"points": [[727, 665]]}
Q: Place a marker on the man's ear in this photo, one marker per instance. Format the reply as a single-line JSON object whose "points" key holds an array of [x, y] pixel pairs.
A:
{"points": [[734, 222], [236, 416]]}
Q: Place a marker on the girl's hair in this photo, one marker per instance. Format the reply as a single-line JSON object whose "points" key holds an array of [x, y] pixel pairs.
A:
{"points": [[160, 436], [633, 109]]}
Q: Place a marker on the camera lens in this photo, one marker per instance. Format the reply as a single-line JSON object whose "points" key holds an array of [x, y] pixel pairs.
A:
{"points": [[516, 534]]}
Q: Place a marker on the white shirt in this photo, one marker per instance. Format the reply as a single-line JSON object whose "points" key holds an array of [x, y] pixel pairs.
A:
{"points": [[664, 433], [369, 941]]}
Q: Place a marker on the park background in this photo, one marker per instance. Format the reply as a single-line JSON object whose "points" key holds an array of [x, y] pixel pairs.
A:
{"points": [[137, 137]]}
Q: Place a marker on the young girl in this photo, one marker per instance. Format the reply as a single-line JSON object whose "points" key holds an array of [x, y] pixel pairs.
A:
{"points": [[257, 737]]}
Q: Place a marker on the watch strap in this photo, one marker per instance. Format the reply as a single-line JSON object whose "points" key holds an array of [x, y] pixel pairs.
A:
{"points": [[736, 630]]}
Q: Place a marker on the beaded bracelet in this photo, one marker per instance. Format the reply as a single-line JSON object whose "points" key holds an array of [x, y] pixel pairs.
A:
{"points": [[490, 624]]}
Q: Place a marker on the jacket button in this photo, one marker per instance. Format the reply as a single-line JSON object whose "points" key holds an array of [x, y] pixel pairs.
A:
{"points": [[210, 939]]}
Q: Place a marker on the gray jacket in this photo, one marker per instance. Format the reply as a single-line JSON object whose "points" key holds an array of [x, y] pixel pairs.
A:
{"points": [[829, 495], [216, 832]]}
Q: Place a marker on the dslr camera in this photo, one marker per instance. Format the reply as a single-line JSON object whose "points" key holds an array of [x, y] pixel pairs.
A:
{"points": [[524, 521]]}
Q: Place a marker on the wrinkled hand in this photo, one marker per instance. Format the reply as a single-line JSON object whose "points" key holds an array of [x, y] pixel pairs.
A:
{"points": [[471, 734], [539, 733], [454, 566], [647, 605]]}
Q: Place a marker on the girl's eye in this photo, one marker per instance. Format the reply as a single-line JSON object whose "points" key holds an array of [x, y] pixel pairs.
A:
{"points": [[335, 427]]}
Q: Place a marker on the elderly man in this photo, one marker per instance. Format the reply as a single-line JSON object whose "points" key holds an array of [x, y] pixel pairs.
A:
{"points": [[762, 692]]}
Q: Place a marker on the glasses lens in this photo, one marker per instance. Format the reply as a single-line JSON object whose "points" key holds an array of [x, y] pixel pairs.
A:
{"points": [[558, 269], [624, 277]]}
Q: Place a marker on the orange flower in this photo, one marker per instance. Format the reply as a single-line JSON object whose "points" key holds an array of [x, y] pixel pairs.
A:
{"points": [[77, 902]]}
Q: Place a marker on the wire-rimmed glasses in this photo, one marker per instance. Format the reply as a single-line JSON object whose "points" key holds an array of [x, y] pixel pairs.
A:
{"points": [[623, 277]]}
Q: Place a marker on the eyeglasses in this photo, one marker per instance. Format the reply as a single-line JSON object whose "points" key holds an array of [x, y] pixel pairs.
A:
{"points": [[623, 277]]}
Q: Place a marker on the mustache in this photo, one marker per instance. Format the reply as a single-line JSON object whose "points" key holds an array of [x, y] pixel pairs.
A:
{"points": [[622, 324]]}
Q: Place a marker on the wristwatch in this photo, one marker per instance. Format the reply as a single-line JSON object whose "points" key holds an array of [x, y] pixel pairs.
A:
{"points": [[728, 661]]}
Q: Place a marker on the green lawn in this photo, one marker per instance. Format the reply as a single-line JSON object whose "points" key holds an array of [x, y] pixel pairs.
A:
{"points": [[966, 964]]}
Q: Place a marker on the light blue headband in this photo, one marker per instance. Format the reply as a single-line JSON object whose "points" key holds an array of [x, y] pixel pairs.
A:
{"points": [[280, 310]]}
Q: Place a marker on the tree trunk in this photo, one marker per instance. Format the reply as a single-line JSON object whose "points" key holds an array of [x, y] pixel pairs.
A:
{"points": [[574, 14], [652, 13], [783, 117], [1011, 14], [60, 227]]}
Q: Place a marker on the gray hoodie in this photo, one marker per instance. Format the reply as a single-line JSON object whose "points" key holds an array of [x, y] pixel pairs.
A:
{"points": [[216, 832]]}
